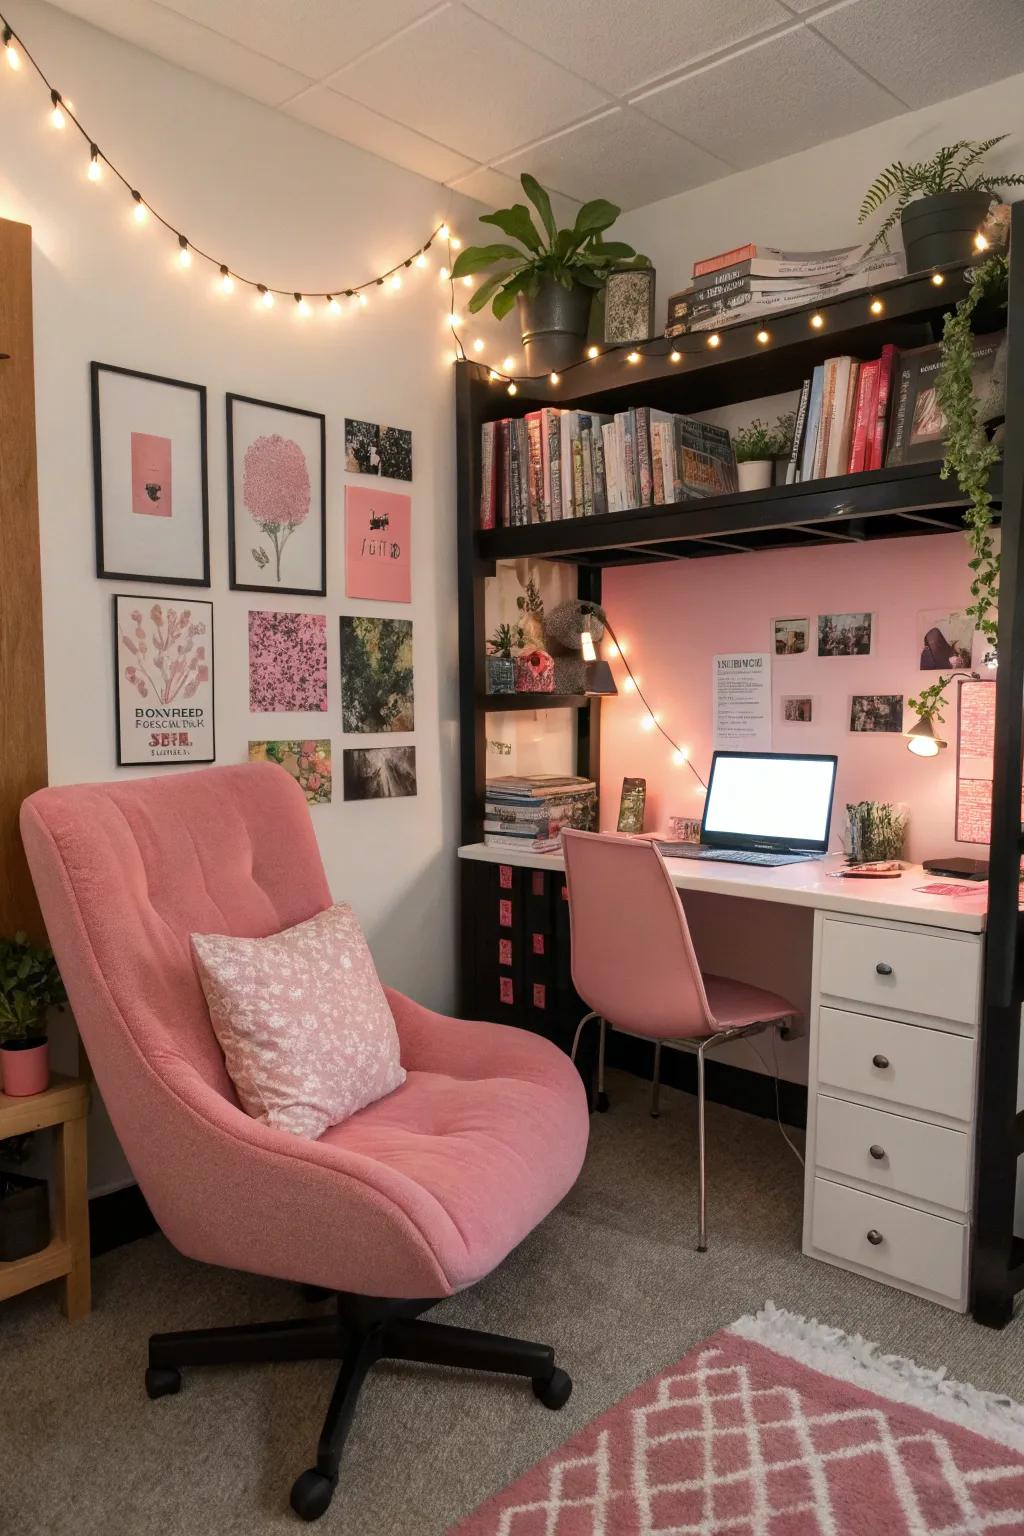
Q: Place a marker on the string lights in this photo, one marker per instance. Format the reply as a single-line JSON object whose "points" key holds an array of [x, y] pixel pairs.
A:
{"points": [[187, 252], [651, 721]]}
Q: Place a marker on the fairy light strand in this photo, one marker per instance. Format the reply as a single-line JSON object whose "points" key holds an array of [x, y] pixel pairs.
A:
{"points": [[18, 54], [681, 753]]}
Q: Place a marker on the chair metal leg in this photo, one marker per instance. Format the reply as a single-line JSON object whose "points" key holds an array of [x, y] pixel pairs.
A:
{"points": [[656, 1082], [579, 1031], [602, 1097], [702, 1200]]}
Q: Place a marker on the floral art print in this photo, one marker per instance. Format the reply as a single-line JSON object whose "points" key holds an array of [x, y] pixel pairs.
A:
{"points": [[308, 762], [277, 509], [287, 662], [164, 681]]}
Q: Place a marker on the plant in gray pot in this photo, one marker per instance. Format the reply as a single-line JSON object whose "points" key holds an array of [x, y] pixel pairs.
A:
{"points": [[501, 670], [30, 986], [551, 276], [940, 203]]}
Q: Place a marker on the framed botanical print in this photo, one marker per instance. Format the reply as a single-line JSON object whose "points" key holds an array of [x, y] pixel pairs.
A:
{"points": [[163, 680], [277, 499], [629, 305], [150, 478]]}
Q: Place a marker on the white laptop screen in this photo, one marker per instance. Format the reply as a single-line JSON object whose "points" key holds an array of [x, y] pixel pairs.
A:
{"points": [[769, 800]]}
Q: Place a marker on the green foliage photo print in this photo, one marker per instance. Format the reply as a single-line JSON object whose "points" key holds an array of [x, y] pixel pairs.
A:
{"points": [[376, 675]]}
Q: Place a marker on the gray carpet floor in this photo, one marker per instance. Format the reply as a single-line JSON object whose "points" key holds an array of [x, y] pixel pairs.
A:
{"points": [[611, 1279]]}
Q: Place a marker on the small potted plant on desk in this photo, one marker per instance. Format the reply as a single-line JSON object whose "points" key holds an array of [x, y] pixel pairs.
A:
{"points": [[30, 986], [757, 447]]}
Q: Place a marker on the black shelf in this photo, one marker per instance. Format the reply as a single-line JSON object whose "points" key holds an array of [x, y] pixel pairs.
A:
{"points": [[498, 703], [883, 503]]}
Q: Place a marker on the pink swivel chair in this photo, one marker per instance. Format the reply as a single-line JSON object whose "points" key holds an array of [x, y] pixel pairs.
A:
{"points": [[406, 1202], [634, 965]]}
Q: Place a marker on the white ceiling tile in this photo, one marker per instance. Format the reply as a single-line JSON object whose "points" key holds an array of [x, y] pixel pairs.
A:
{"points": [[771, 100], [926, 50], [621, 155], [315, 37], [623, 46], [486, 185], [194, 47], [464, 83], [350, 120]]}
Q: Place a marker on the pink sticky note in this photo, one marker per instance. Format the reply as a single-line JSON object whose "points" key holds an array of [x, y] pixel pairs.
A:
{"points": [[504, 914], [151, 475], [505, 991], [505, 876], [504, 951], [378, 552]]}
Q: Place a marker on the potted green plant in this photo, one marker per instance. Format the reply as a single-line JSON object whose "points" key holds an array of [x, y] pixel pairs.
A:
{"points": [[875, 829], [785, 426], [501, 668], [757, 448], [30, 985], [940, 203], [551, 276]]}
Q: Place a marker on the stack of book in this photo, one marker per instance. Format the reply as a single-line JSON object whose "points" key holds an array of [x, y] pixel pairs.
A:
{"points": [[556, 464], [755, 280], [842, 417], [529, 811]]}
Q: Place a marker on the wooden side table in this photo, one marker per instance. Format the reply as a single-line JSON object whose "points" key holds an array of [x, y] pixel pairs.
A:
{"points": [[64, 1106]]}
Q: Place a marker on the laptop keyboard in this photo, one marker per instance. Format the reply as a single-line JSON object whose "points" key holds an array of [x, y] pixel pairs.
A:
{"points": [[732, 855]]}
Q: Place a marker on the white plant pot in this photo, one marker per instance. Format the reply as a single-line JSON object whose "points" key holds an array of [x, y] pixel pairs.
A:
{"points": [[755, 474]]}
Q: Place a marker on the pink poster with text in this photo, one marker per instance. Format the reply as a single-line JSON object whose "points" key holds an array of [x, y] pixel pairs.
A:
{"points": [[378, 537], [151, 475]]}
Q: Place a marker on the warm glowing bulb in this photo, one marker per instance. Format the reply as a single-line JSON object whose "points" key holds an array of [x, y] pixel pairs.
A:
{"points": [[938, 279], [333, 307], [587, 646], [266, 297], [141, 213], [647, 723], [554, 377], [512, 389], [613, 649], [478, 345], [980, 243], [509, 364], [363, 301], [13, 56], [57, 117], [923, 746], [227, 282], [632, 357], [714, 340], [301, 307], [628, 685], [453, 320], [396, 281], [763, 337], [443, 232], [817, 321], [876, 306], [593, 352], [443, 274], [95, 170], [675, 357], [456, 243], [184, 254], [420, 261], [491, 376], [680, 756], [467, 282]]}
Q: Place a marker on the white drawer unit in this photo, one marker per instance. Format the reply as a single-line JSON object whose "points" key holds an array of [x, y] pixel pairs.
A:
{"points": [[902, 1157], [893, 969], [876, 1058], [891, 1102], [897, 1241]]}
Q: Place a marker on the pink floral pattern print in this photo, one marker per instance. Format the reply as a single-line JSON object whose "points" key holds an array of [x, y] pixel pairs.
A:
{"points": [[307, 1034], [169, 658], [287, 661], [275, 489]]}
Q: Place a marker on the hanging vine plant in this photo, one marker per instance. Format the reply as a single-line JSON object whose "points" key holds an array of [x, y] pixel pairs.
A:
{"points": [[970, 456]]}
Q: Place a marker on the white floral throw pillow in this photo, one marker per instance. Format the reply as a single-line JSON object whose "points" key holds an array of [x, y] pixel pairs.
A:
{"points": [[307, 1034]]}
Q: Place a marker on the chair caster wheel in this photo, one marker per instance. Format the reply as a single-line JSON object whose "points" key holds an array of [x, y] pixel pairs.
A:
{"points": [[602, 1104], [556, 1391], [162, 1381], [311, 1494]]}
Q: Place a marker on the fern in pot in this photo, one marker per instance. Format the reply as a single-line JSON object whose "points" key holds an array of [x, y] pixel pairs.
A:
{"points": [[551, 276], [30, 985], [940, 204], [757, 446]]}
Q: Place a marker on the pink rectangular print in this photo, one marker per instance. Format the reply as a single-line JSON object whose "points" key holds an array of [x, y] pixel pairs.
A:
{"points": [[287, 661], [378, 540], [151, 475]]}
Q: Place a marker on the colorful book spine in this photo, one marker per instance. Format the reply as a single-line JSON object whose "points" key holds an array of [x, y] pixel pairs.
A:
{"points": [[552, 463], [657, 466], [828, 406], [799, 428], [535, 472], [577, 465], [488, 474], [813, 424], [725, 259], [643, 446], [611, 467], [864, 413], [847, 374], [600, 473], [566, 432], [587, 457], [877, 441]]}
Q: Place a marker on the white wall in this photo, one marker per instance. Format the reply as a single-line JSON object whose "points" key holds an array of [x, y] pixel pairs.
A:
{"points": [[294, 208], [810, 201]]}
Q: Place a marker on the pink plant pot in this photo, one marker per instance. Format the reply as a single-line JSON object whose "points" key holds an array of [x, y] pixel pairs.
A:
{"points": [[535, 673], [26, 1069]]}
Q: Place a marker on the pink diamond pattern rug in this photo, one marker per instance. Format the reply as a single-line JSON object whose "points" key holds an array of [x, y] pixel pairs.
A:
{"points": [[780, 1427]]}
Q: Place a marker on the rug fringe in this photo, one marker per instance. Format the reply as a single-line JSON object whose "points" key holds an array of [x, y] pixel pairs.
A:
{"points": [[855, 1359]]}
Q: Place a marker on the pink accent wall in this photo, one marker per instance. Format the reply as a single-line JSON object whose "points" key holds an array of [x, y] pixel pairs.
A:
{"points": [[674, 617]]}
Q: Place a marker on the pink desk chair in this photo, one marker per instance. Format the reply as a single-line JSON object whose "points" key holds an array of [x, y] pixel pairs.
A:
{"points": [[410, 1200], [634, 965]]}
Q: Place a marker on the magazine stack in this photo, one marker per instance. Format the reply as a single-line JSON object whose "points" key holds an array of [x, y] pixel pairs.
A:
{"points": [[529, 811]]}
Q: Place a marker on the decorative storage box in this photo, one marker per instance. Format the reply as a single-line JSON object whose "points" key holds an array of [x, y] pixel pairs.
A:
{"points": [[535, 673], [501, 674]]}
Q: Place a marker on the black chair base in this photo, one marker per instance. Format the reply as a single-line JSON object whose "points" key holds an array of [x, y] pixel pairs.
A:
{"points": [[364, 1330]]}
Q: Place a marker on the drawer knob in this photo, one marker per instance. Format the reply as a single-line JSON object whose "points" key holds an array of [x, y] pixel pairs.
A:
{"points": [[883, 968], [877, 1152], [875, 1237], [880, 1061]]}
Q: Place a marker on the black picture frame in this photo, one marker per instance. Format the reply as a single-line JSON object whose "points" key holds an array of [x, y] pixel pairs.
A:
{"points": [[231, 400], [168, 762], [168, 579]]}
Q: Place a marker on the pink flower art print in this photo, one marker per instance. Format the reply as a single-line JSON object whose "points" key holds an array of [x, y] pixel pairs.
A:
{"points": [[287, 661], [164, 681], [167, 654], [378, 545], [275, 490]]}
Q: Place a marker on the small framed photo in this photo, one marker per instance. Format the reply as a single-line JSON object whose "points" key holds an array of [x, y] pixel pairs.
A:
{"points": [[149, 478], [844, 634], [629, 305], [797, 709], [882, 712], [163, 680], [277, 498], [791, 636]]}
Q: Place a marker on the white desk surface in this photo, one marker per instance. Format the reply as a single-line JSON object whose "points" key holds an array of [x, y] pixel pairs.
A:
{"points": [[798, 885]]}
